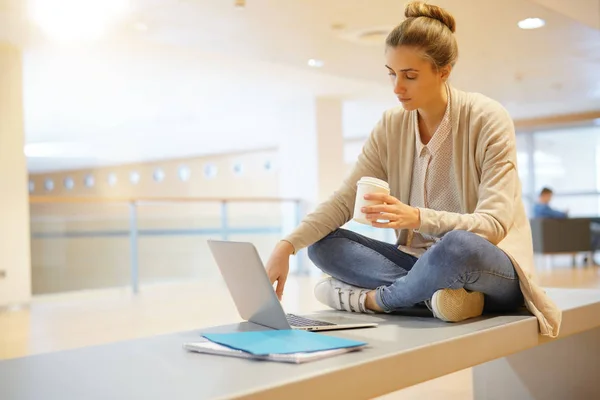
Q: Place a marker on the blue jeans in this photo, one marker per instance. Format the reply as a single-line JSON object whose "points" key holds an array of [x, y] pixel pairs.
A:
{"points": [[460, 259]]}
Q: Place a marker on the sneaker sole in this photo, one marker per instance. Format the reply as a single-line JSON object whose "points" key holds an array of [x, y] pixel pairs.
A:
{"points": [[459, 304]]}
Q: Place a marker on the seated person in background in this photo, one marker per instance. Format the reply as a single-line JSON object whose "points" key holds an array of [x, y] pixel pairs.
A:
{"points": [[542, 208]]}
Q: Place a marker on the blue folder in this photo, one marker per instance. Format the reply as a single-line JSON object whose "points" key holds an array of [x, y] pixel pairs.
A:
{"points": [[280, 341]]}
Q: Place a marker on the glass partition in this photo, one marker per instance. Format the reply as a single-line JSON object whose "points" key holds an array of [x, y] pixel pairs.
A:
{"points": [[78, 244]]}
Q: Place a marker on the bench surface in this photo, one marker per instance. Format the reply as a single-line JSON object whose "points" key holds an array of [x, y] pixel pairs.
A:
{"points": [[402, 351]]}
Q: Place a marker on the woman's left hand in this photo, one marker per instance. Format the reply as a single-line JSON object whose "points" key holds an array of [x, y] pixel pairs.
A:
{"points": [[399, 215]]}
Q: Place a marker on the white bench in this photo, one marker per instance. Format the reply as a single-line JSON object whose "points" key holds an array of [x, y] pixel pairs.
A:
{"points": [[564, 368], [510, 359]]}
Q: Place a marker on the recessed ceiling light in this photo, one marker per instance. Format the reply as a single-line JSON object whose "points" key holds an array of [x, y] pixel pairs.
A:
{"points": [[315, 63], [531, 23], [370, 36], [76, 20]]}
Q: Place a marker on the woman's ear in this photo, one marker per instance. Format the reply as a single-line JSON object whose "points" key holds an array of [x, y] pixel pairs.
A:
{"points": [[445, 72]]}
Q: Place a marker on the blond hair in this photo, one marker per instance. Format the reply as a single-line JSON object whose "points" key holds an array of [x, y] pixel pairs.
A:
{"points": [[429, 28]]}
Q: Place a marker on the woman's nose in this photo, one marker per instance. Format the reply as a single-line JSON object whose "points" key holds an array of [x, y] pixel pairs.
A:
{"points": [[399, 88]]}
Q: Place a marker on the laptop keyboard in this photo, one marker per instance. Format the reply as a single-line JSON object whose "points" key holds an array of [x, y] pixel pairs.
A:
{"points": [[296, 320]]}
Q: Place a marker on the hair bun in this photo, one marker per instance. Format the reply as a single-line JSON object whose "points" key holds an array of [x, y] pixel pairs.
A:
{"points": [[418, 9]]}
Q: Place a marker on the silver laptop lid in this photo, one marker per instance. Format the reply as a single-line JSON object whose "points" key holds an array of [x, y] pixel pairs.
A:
{"points": [[248, 283]]}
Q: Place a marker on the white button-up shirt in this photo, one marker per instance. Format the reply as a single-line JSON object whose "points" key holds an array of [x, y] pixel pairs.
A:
{"points": [[433, 183]]}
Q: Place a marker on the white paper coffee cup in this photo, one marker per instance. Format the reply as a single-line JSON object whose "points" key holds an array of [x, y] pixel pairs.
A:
{"points": [[364, 186]]}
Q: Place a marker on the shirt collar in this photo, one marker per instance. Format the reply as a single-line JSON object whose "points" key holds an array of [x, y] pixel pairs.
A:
{"points": [[440, 134]]}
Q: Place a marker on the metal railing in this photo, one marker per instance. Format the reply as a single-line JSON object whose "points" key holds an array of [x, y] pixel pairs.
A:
{"points": [[225, 230]]}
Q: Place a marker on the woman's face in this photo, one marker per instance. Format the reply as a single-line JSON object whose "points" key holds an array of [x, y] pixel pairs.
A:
{"points": [[417, 83]]}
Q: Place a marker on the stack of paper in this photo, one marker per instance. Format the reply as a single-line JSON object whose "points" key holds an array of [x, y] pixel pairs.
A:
{"points": [[292, 346]]}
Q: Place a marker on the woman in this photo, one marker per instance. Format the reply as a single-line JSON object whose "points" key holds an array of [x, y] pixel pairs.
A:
{"points": [[464, 243]]}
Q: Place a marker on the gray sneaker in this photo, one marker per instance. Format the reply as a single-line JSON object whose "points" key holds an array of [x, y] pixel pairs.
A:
{"points": [[341, 296]]}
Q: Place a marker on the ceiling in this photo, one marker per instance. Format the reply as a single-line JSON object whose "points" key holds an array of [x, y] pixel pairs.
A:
{"points": [[206, 77], [585, 11]]}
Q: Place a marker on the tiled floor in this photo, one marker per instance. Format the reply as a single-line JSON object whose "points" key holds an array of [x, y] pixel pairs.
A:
{"points": [[71, 320]]}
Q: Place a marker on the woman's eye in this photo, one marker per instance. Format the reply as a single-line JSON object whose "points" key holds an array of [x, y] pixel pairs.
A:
{"points": [[411, 77]]}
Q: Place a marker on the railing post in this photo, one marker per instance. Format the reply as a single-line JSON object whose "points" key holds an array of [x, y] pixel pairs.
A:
{"points": [[133, 246], [224, 221], [301, 268]]}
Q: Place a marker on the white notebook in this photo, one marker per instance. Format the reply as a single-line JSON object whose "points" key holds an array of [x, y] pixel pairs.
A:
{"points": [[208, 347]]}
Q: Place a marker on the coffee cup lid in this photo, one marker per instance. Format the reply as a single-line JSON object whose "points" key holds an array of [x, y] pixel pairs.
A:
{"points": [[374, 181]]}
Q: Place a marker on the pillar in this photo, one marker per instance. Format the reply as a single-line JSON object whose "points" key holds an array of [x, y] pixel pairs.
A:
{"points": [[311, 158], [15, 265]]}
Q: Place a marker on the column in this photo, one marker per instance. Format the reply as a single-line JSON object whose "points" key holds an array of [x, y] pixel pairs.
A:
{"points": [[331, 169], [15, 265], [311, 158]]}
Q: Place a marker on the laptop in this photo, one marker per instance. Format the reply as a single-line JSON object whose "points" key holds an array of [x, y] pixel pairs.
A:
{"points": [[249, 285]]}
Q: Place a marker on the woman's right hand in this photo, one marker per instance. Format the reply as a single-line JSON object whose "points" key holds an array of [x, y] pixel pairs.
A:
{"points": [[278, 265]]}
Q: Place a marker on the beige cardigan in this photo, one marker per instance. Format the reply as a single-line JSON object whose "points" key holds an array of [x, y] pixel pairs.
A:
{"points": [[485, 161]]}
